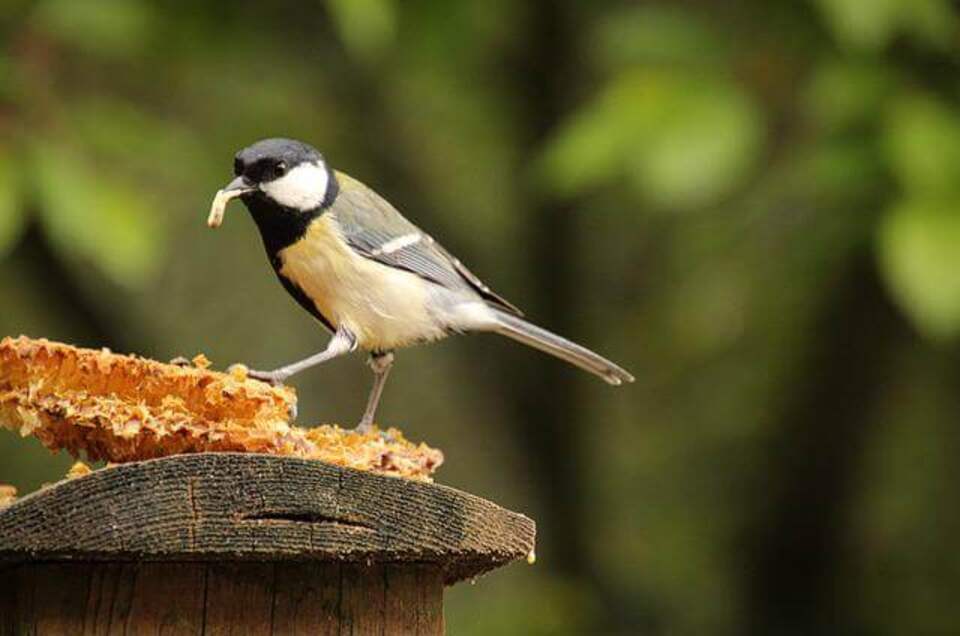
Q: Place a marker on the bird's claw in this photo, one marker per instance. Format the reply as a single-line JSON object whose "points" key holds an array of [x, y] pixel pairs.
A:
{"points": [[365, 427], [272, 377]]}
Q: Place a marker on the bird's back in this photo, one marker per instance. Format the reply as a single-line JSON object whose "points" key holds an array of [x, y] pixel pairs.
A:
{"points": [[377, 230]]}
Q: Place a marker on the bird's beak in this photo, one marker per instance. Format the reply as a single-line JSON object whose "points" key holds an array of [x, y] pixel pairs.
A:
{"points": [[236, 188]]}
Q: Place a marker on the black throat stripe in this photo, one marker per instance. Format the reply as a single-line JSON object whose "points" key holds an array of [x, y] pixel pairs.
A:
{"points": [[301, 297], [281, 227]]}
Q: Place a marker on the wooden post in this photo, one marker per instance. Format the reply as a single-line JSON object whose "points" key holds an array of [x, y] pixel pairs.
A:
{"points": [[227, 543]]}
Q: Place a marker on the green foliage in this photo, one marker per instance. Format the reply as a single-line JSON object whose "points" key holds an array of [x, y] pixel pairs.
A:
{"points": [[111, 28], [12, 213], [846, 93], [368, 27], [920, 252], [872, 24], [920, 237], [90, 212], [137, 148], [922, 144], [681, 140], [670, 123], [656, 33]]}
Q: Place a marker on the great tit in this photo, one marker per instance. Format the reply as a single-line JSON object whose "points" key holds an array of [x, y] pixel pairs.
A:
{"points": [[370, 276]]}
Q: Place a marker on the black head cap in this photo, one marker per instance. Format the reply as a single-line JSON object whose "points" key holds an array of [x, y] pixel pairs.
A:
{"points": [[272, 158]]}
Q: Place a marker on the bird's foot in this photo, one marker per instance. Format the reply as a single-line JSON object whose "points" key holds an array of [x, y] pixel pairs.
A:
{"points": [[364, 427], [275, 378]]}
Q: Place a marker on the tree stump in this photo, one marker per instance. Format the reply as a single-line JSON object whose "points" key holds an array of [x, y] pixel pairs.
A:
{"points": [[228, 543]]}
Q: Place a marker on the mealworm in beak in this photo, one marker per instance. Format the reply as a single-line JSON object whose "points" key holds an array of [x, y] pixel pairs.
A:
{"points": [[219, 205]]}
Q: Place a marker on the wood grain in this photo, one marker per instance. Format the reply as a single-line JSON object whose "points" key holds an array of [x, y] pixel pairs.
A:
{"points": [[109, 599], [237, 506], [167, 599], [230, 543], [214, 599], [307, 599]]}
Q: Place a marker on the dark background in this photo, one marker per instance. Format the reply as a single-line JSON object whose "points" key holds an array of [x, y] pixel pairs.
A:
{"points": [[754, 205]]}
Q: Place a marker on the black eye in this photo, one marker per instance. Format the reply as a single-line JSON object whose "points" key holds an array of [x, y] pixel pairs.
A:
{"points": [[237, 166], [280, 169]]}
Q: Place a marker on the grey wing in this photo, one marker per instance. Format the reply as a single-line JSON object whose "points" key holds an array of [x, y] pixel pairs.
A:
{"points": [[488, 294], [376, 230]]}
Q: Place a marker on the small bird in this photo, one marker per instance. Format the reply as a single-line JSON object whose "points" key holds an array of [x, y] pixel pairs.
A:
{"points": [[370, 276]]}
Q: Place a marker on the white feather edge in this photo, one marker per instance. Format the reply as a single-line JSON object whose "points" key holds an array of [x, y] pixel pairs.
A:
{"points": [[397, 244]]}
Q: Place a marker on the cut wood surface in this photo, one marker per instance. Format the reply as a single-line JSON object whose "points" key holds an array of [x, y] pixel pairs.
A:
{"points": [[248, 507], [242, 598]]}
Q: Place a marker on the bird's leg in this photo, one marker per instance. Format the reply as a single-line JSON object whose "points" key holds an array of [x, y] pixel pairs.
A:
{"points": [[380, 363], [342, 342]]}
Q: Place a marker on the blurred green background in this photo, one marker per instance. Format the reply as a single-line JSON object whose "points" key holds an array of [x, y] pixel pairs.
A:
{"points": [[754, 205]]}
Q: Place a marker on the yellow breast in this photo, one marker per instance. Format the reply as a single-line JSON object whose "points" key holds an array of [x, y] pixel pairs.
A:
{"points": [[383, 307]]}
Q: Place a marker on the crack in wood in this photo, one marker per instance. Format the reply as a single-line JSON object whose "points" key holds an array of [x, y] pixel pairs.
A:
{"points": [[316, 518], [204, 506]]}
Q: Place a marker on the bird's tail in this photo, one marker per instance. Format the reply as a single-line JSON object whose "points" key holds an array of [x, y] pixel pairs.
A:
{"points": [[538, 338]]}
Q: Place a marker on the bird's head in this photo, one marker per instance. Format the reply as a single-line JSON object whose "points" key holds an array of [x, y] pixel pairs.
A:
{"points": [[290, 174]]}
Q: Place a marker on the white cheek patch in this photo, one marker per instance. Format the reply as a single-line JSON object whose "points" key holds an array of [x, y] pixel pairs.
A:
{"points": [[303, 188]]}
